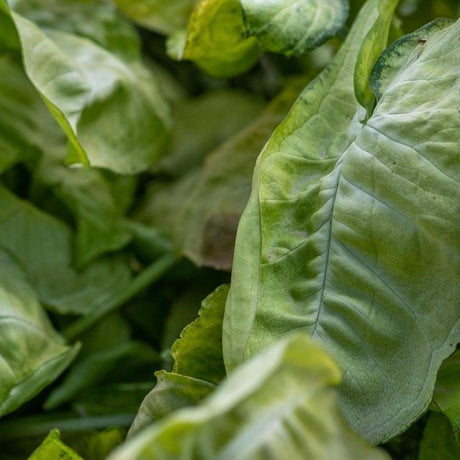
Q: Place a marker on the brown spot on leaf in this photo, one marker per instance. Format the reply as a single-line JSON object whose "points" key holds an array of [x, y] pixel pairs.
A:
{"points": [[219, 241]]}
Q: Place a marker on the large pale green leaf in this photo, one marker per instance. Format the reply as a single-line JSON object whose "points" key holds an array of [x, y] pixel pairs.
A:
{"points": [[439, 442], [43, 246], [32, 354], [53, 448], [161, 16], [293, 26], [216, 39], [198, 365], [351, 232], [446, 395], [281, 404], [110, 108]]}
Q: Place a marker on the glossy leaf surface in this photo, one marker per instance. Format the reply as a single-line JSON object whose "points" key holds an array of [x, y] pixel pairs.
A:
{"points": [[351, 232]]}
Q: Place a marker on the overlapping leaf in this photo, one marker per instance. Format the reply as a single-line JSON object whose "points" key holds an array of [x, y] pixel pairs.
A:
{"points": [[281, 404], [226, 37], [351, 233], [43, 246], [198, 365], [32, 354], [108, 104]]}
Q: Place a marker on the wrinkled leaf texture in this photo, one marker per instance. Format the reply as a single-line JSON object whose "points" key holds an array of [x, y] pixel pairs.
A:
{"points": [[352, 231]]}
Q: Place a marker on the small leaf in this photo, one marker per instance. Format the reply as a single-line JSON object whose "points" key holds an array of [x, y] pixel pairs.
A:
{"points": [[53, 448], [198, 351], [216, 39], [198, 365], [292, 27], [371, 49]]}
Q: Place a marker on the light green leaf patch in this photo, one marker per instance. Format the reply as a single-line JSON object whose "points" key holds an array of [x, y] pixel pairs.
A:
{"points": [[351, 232], [280, 404], [292, 27], [370, 50], [110, 108], [53, 448], [32, 354], [216, 39]]}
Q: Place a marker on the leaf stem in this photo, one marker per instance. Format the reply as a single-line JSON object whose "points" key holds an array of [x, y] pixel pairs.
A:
{"points": [[152, 273]]}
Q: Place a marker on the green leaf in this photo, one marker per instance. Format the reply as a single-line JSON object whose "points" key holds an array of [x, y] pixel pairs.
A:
{"points": [[208, 219], [198, 365], [104, 367], [43, 246], [89, 196], [89, 91], [351, 233], [393, 59], [105, 358], [158, 15], [202, 123], [281, 404], [198, 351], [438, 442], [371, 49], [292, 27], [26, 124], [204, 224], [96, 20], [53, 448], [172, 392], [216, 39], [111, 399], [447, 390], [32, 354]]}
